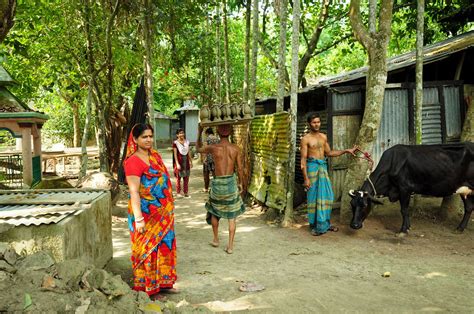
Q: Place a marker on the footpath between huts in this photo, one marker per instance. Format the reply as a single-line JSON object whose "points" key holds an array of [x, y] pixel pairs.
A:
{"points": [[430, 270]]}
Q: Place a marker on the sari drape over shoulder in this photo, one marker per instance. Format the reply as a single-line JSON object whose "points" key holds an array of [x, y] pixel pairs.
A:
{"points": [[154, 251]]}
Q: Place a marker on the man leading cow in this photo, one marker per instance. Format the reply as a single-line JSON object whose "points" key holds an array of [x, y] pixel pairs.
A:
{"points": [[314, 152]]}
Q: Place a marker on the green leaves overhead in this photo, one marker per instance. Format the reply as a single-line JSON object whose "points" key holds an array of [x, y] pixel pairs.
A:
{"points": [[45, 51]]}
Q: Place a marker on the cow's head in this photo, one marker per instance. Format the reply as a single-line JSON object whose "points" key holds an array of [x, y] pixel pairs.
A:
{"points": [[361, 205]]}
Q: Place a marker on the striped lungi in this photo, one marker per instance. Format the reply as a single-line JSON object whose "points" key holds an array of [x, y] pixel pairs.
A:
{"points": [[224, 198], [320, 195]]}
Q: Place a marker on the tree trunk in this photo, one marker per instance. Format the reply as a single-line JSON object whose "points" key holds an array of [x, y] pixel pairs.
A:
{"points": [[245, 96], [147, 41], [323, 15], [253, 61], [453, 206], [226, 55], [99, 107], [372, 16], [467, 134], [218, 54], [419, 70], [266, 52], [376, 45], [109, 60], [75, 123], [282, 56], [7, 14], [85, 134], [288, 219]]}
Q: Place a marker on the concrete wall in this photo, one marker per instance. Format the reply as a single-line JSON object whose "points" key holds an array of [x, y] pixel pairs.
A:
{"points": [[85, 235], [162, 131], [192, 120]]}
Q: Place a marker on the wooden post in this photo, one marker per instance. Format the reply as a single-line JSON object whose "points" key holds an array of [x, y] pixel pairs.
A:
{"points": [[27, 156], [37, 146]]}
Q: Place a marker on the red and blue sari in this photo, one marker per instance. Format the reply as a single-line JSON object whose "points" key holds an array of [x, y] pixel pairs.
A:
{"points": [[154, 251]]}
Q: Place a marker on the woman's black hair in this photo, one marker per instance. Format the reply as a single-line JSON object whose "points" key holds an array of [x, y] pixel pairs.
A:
{"points": [[179, 131], [209, 131], [139, 128]]}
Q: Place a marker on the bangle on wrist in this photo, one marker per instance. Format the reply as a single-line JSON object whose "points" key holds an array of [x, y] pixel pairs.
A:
{"points": [[140, 219]]}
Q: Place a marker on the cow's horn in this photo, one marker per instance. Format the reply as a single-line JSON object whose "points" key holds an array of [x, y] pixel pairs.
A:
{"points": [[351, 193], [361, 194]]}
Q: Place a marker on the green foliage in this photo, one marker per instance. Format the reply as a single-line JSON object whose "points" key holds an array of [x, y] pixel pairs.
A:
{"points": [[46, 50], [6, 138]]}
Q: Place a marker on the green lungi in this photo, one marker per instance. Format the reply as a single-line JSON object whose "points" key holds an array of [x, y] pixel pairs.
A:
{"points": [[224, 198]]}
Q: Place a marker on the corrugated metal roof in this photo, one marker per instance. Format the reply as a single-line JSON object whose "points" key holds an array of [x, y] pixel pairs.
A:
{"points": [[36, 207], [431, 53], [9, 103], [12, 107], [5, 78]]}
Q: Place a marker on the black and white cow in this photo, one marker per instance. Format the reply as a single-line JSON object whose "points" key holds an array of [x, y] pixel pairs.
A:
{"points": [[434, 170]]}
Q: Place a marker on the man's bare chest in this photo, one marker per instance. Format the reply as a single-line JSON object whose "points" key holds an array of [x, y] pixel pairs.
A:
{"points": [[316, 144]]}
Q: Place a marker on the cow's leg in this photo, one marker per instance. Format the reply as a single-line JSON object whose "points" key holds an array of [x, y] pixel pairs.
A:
{"points": [[468, 206], [404, 202]]}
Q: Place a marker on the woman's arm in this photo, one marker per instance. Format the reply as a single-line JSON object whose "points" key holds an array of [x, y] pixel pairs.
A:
{"points": [[134, 188], [176, 160]]}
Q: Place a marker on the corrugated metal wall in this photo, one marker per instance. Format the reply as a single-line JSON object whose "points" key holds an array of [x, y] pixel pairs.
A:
{"points": [[453, 113], [394, 127], [270, 147], [344, 131], [431, 117], [240, 137], [346, 101]]}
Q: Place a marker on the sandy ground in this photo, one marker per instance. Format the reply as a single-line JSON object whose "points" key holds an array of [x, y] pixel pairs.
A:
{"points": [[430, 270]]}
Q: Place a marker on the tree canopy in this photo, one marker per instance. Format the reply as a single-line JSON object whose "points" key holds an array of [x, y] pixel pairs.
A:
{"points": [[47, 51]]}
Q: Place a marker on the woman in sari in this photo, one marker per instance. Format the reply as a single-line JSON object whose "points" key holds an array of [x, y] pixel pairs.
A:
{"points": [[150, 214], [182, 162]]}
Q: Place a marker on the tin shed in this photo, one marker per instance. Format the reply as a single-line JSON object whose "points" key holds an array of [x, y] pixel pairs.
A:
{"points": [[340, 99]]}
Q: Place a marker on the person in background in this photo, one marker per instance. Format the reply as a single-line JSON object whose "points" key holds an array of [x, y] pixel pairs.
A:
{"points": [[182, 162], [150, 214], [208, 162], [225, 197]]}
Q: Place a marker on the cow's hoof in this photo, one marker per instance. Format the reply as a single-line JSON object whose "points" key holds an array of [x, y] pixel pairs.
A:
{"points": [[401, 234]]}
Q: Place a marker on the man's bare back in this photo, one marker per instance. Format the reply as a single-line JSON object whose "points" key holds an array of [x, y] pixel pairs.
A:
{"points": [[225, 156]]}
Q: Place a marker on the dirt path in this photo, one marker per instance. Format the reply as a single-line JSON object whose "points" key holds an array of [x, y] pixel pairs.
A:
{"points": [[430, 270]]}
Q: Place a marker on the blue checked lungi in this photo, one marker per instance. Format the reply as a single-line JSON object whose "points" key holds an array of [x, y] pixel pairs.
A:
{"points": [[320, 195]]}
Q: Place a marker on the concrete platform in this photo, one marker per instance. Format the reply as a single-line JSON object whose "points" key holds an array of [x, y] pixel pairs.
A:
{"points": [[71, 224]]}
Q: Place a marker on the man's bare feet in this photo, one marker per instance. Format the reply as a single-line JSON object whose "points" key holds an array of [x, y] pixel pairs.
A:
{"points": [[214, 243], [228, 251]]}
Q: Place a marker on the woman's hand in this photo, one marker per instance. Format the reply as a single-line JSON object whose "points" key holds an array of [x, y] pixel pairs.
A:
{"points": [[178, 166], [140, 226]]}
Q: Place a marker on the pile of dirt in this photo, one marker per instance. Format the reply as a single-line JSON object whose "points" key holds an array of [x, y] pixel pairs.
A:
{"points": [[37, 283]]}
